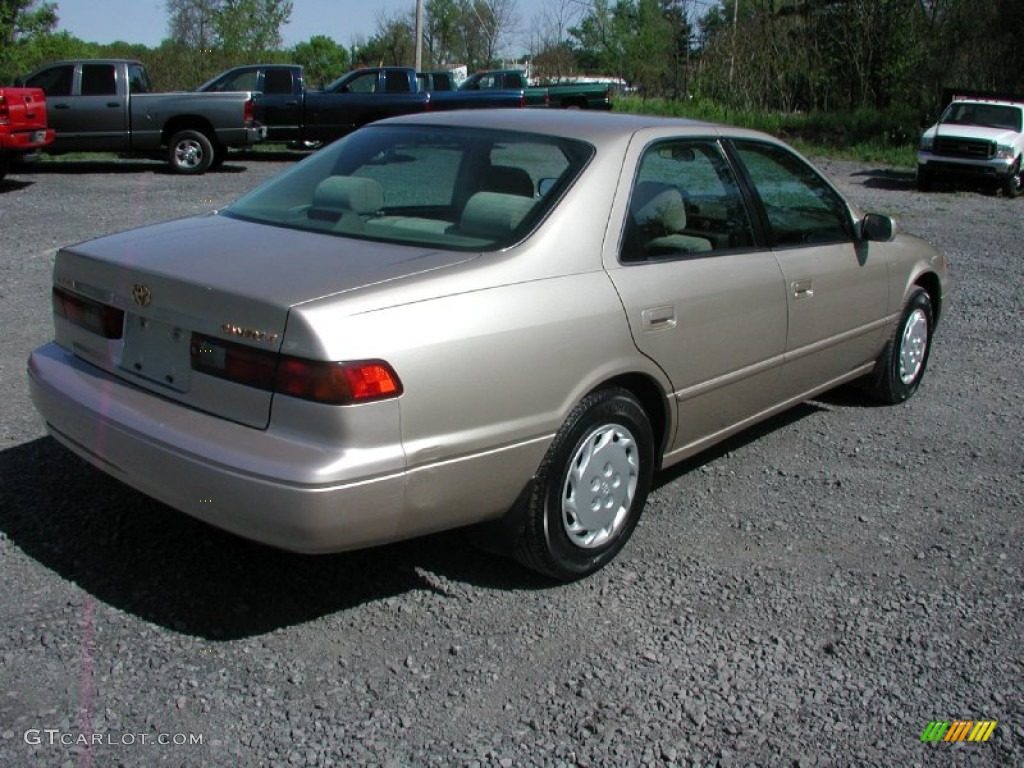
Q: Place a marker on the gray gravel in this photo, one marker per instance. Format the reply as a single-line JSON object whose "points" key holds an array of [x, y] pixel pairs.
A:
{"points": [[812, 593]]}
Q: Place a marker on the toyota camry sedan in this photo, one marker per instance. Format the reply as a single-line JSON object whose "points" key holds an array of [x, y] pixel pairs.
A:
{"points": [[504, 319]]}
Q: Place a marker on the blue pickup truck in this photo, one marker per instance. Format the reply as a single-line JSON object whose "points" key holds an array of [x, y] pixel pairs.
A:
{"points": [[293, 113]]}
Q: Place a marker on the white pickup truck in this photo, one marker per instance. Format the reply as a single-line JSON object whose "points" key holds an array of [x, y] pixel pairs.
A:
{"points": [[975, 137]]}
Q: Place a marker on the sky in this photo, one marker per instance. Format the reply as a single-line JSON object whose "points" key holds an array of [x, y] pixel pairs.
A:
{"points": [[145, 21]]}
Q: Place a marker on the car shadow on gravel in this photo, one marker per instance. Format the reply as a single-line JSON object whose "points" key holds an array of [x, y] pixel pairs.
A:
{"points": [[13, 185], [142, 557], [888, 178], [750, 435]]}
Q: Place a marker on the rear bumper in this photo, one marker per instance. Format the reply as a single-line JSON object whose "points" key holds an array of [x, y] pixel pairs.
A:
{"points": [[261, 485], [242, 137], [26, 142]]}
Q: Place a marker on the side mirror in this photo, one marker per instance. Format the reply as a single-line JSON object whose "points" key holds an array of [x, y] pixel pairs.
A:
{"points": [[877, 228]]}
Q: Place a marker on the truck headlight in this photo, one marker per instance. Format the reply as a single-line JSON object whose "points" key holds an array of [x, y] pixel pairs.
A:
{"points": [[926, 143], [1004, 152]]}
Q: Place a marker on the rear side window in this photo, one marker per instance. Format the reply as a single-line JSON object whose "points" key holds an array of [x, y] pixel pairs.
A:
{"points": [[98, 80], [801, 207], [685, 202], [55, 81], [276, 81]]}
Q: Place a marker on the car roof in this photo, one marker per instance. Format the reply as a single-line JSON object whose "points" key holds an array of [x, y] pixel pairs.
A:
{"points": [[590, 126]]}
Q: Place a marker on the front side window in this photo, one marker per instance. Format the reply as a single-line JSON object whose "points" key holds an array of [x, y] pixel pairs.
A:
{"points": [[362, 84], [685, 201], [452, 188], [801, 207]]}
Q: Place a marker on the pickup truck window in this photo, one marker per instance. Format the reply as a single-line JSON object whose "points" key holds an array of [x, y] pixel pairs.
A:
{"points": [[276, 81], [55, 81], [138, 80], [988, 115], [241, 81], [98, 80], [362, 84]]}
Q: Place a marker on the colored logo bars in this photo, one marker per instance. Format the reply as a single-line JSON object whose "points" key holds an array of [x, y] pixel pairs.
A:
{"points": [[959, 730]]}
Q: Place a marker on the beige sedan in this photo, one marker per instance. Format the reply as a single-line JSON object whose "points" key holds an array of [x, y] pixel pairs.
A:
{"points": [[507, 319]]}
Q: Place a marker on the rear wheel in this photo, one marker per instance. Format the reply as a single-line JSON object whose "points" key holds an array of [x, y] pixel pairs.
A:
{"points": [[1014, 183], [190, 152], [904, 359], [590, 489]]}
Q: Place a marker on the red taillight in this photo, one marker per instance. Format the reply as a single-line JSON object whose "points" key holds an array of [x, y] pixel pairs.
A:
{"points": [[91, 315], [5, 114], [322, 382], [249, 111]]}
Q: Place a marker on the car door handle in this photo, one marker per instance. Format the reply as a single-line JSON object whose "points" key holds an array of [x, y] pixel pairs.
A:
{"points": [[113, 104], [658, 318], [291, 103], [62, 106], [803, 289]]}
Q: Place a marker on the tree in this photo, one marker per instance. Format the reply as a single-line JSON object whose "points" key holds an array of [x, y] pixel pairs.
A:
{"points": [[251, 26], [322, 59], [235, 26], [23, 25]]}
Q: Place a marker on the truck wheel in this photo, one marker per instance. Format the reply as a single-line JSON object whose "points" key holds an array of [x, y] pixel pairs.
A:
{"points": [[190, 152], [1014, 183], [220, 154], [3, 167]]}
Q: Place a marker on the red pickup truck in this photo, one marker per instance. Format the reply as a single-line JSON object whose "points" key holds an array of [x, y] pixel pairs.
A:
{"points": [[22, 125]]}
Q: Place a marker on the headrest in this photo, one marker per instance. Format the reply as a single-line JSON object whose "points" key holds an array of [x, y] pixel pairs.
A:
{"points": [[654, 201], [351, 193], [508, 180], [493, 215]]}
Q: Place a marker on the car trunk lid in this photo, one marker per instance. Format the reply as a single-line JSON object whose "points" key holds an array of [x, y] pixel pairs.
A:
{"points": [[219, 279]]}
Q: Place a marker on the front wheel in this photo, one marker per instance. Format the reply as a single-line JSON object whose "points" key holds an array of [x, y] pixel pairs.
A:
{"points": [[904, 359], [590, 489], [190, 152], [1014, 183]]}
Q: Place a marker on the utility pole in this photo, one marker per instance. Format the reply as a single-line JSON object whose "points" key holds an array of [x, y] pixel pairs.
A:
{"points": [[735, 15], [419, 35]]}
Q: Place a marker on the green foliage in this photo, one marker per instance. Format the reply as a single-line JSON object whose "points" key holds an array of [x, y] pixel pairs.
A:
{"points": [[866, 134], [322, 59]]}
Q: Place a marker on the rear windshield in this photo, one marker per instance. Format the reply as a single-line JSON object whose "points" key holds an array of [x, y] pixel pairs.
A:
{"points": [[449, 187]]}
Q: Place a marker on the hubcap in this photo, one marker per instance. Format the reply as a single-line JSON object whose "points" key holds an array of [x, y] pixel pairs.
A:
{"points": [[189, 153], [913, 346], [600, 486]]}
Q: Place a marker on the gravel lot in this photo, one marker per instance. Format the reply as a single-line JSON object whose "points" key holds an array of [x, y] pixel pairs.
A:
{"points": [[812, 593]]}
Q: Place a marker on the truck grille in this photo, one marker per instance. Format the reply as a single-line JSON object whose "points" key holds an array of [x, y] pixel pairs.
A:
{"points": [[965, 148]]}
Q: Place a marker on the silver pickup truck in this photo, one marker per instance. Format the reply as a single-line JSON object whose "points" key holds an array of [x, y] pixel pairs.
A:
{"points": [[106, 105]]}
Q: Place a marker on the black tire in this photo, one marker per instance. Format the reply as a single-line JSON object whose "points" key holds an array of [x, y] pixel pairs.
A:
{"points": [[220, 154], [609, 426], [904, 359], [3, 167], [190, 152], [1013, 185], [924, 179]]}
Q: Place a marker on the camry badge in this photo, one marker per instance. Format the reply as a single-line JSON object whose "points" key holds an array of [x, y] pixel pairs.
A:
{"points": [[141, 295], [249, 333]]}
